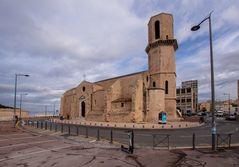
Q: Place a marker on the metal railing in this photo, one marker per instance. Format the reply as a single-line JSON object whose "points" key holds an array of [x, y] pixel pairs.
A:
{"points": [[224, 140], [111, 134], [160, 141]]}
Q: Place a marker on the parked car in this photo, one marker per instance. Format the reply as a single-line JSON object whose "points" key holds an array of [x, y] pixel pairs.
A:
{"points": [[188, 113], [231, 116], [201, 113]]}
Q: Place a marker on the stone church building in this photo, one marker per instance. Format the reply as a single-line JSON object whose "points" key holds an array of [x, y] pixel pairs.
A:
{"points": [[137, 97]]}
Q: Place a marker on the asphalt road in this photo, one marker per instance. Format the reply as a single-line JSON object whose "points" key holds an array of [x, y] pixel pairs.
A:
{"points": [[161, 138], [37, 147]]}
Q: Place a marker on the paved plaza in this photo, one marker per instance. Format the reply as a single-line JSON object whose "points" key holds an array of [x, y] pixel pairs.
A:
{"points": [[28, 146]]}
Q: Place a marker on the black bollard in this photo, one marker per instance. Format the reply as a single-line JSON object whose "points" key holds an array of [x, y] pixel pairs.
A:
{"points": [[69, 129], [193, 141], [50, 126], [55, 127], [98, 134], [77, 130], [86, 132], [111, 136]]}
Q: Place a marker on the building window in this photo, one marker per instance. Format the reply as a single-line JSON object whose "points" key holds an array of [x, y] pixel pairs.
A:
{"points": [[95, 102], [83, 88], [188, 90], [122, 104], [166, 36], [166, 87], [157, 29], [147, 78], [178, 91], [182, 90], [154, 84]]}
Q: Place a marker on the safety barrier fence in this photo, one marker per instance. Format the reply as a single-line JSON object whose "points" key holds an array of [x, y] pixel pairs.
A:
{"points": [[146, 138]]}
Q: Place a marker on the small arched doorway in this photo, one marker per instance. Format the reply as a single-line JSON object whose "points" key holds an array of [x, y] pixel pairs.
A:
{"points": [[83, 109]]}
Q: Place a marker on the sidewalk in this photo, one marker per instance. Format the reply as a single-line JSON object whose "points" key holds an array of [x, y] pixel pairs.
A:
{"points": [[101, 153], [169, 125]]}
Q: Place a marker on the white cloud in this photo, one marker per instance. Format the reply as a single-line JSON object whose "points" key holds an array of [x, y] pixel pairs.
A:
{"points": [[57, 42], [230, 15]]}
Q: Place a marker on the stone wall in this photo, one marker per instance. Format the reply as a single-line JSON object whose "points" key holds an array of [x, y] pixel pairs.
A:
{"points": [[7, 114], [155, 103]]}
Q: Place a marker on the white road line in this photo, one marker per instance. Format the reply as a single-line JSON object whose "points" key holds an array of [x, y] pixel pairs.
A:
{"points": [[190, 136], [43, 131], [55, 133], [28, 143], [13, 134], [32, 153], [92, 141], [146, 135], [19, 138]]}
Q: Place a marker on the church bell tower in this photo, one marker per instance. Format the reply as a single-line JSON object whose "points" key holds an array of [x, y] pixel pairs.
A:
{"points": [[162, 67]]}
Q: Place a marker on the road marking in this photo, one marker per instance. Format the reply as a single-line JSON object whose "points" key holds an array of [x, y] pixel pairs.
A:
{"points": [[19, 138], [43, 131], [13, 134], [32, 153], [204, 144], [92, 141], [55, 133], [146, 135], [27, 143], [190, 136]]}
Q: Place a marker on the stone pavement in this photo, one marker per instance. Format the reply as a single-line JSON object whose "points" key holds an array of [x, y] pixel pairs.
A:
{"points": [[28, 146], [169, 125]]}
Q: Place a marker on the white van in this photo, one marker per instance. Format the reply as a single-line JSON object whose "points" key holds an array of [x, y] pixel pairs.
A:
{"points": [[220, 113]]}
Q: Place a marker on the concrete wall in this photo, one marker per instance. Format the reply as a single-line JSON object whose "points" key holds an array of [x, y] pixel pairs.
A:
{"points": [[7, 113]]}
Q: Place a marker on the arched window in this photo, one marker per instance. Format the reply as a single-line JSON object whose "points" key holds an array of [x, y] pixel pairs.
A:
{"points": [[166, 87], [157, 29], [154, 84]]}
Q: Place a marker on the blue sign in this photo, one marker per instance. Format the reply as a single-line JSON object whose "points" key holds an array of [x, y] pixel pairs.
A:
{"points": [[162, 117]]}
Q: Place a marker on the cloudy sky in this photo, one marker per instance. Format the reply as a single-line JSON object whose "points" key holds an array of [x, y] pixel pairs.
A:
{"points": [[59, 43]]}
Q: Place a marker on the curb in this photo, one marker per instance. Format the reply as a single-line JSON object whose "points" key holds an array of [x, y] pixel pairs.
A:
{"points": [[129, 126]]}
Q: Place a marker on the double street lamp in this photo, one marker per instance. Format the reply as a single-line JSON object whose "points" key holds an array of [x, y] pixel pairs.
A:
{"points": [[195, 28], [15, 93]]}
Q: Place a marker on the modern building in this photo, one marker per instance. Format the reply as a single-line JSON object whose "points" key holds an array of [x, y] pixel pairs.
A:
{"points": [[187, 97], [138, 97]]}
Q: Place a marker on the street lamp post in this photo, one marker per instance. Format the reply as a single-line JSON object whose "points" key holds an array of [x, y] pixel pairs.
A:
{"points": [[21, 104], [45, 110], [15, 94], [195, 28], [229, 103]]}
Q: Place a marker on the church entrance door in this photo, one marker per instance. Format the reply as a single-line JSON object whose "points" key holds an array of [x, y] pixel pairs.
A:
{"points": [[83, 109]]}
